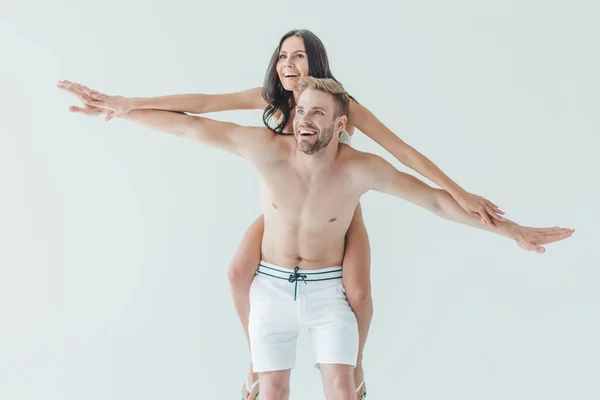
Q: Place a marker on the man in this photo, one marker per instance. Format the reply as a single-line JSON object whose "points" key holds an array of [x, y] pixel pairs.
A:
{"points": [[311, 186]]}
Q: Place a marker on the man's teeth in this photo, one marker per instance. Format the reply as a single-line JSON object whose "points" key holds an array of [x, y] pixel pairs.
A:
{"points": [[306, 132]]}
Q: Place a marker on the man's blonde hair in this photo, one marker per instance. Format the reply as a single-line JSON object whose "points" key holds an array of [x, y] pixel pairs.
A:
{"points": [[331, 86]]}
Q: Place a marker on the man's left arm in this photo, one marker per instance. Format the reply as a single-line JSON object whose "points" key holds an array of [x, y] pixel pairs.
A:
{"points": [[381, 176]]}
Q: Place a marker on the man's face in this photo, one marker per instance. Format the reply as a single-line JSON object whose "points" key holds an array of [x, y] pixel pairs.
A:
{"points": [[314, 124]]}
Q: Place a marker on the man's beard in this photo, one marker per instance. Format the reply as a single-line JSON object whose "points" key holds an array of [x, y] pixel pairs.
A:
{"points": [[319, 144]]}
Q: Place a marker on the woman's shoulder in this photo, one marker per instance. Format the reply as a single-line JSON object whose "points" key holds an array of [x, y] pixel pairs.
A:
{"points": [[356, 113], [253, 98]]}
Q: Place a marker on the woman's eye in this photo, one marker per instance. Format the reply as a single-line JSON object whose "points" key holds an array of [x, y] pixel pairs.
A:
{"points": [[299, 55], [281, 56]]}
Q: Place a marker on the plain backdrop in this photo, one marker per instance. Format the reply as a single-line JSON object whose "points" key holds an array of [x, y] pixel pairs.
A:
{"points": [[115, 240]]}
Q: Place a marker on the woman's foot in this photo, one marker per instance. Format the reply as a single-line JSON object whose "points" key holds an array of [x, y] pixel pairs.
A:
{"points": [[359, 377], [250, 388]]}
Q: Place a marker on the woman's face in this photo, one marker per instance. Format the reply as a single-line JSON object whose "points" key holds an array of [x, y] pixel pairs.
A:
{"points": [[292, 64]]}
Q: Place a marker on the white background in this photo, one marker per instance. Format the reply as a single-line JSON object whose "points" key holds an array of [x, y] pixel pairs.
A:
{"points": [[115, 240]]}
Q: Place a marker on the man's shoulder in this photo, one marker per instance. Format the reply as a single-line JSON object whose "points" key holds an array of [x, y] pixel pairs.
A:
{"points": [[267, 144], [262, 130], [256, 134], [356, 157], [362, 166]]}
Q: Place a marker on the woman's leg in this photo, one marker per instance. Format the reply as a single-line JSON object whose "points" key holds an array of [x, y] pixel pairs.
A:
{"points": [[357, 282], [240, 274]]}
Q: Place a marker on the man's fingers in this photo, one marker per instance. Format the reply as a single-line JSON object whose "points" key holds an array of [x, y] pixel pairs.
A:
{"points": [[86, 110], [93, 103], [556, 237], [530, 246], [555, 230]]}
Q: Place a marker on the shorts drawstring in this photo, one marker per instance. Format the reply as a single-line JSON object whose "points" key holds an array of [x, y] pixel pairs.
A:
{"points": [[294, 279]]}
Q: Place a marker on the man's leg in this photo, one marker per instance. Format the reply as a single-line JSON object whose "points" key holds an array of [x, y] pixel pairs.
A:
{"points": [[273, 329], [356, 269], [275, 385], [334, 330], [240, 275], [338, 381]]}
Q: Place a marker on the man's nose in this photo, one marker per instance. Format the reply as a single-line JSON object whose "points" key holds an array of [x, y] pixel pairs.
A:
{"points": [[302, 117]]}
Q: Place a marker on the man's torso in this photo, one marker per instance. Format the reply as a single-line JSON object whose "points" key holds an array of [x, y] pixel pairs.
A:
{"points": [[307, 215]]}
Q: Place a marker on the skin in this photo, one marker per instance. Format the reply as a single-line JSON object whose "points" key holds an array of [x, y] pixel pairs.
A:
{"points": [[312, 189], [291, 67]]}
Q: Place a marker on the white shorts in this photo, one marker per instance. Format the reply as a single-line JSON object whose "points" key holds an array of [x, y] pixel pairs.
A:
{"points": [[283, 300]]}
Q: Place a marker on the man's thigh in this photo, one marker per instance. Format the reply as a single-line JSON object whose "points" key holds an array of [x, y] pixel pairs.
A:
{"points": [[273, 325], [333, 325]]}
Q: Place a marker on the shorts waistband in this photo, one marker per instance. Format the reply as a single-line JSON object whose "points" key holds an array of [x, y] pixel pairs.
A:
{"points": [[293, 274]]}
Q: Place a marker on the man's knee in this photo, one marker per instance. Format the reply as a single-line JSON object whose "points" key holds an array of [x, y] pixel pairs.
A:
{"points": [[274, 385], [340, 388], [274, 392]]}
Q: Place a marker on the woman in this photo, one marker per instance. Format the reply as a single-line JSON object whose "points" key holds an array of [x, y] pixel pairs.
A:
{"points": [[301, 53]]}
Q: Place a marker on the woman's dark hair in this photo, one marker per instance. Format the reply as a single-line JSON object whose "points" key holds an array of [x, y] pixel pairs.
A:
{"points": [[273, 91]]}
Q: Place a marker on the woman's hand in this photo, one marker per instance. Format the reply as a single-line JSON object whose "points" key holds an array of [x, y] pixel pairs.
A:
{"points": [[114, 106], [479, 207]]}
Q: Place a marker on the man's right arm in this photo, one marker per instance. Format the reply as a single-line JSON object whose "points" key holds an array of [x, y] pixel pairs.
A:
{"points": [[240, 140]]}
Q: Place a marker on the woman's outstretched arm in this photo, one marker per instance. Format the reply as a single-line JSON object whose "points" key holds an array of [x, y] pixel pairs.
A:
{"points": [[202, 103], [250, 99], [367, 123]]}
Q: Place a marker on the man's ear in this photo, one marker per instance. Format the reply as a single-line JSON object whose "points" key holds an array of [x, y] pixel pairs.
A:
{"points": [[340, 125]]}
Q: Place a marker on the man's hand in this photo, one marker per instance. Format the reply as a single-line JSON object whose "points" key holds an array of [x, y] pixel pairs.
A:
{"points": [[532, 239], [96, 103]]}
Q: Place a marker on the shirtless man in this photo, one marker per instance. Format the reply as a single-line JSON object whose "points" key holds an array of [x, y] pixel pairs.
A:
{"points": [[311, 186]]}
